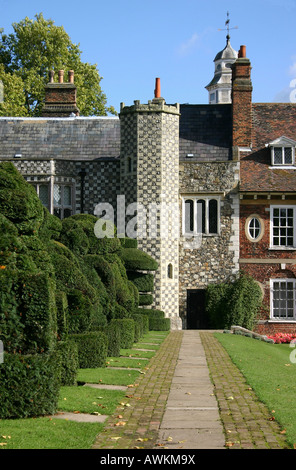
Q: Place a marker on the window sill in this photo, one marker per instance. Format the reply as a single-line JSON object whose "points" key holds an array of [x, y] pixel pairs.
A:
{"points": [[282, 167], [282, 248], [275, 320], [192, 235]]}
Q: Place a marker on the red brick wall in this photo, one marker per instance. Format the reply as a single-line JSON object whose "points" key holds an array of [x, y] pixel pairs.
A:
{"points": [[263, 272], [242, 103]]}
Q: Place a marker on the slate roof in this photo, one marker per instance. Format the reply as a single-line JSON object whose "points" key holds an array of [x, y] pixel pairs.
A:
{"points": [[66, 138], [205, 132], [270, 121]]}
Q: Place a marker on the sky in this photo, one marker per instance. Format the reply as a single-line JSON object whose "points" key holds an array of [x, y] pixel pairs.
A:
{"points": [[135, 41]]}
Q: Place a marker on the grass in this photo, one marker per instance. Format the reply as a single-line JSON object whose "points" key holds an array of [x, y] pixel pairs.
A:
{"points": [[269, 371], [54, 433], [107, 376]]}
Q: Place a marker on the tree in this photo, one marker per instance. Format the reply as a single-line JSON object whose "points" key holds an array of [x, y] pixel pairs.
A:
{"points": [[38, 46], [13, 102]]}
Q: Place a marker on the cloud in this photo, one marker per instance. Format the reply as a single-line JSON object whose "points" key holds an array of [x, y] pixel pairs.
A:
{"points": [[288, 94], [292, 68], [187, 46]]}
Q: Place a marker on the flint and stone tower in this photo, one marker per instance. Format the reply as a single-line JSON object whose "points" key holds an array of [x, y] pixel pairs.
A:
{"points": [[150, 178]]}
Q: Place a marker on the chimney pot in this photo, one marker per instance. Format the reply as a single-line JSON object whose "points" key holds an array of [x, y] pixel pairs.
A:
{"points": [[61, 76], [157, 93], [71, 76], [51, 76], [242, 52]]}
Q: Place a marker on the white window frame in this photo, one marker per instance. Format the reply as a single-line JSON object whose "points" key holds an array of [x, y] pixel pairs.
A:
{"points": [[282, 142], [283, 148], [282, 247], [272, 300], [196, 222]]}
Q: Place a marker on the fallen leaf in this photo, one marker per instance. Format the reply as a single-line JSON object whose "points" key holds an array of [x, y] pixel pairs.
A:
{"points": [[230, 398], [229, 444], [115, 438], [169, 439], [188, 393], [283, 431], [119, 416], [3, 443], [120, 423]]}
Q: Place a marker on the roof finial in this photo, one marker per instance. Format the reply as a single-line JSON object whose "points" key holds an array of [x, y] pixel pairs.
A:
{"points": [[227, 27]]}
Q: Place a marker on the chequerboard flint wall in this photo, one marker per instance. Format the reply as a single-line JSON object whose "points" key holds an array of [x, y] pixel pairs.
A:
{"points": [[150, 177]]}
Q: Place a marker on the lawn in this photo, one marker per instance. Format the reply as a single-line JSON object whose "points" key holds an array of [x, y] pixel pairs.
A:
{"points": [[271, 374], [54, 433]]}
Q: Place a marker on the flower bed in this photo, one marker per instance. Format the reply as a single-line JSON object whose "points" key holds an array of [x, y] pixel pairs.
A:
{"points": [[279, 338]]}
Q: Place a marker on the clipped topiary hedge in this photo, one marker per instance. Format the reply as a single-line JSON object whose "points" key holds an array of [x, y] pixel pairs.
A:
{"points": [[38, 309], [135, 259], [127, 332], [29, 385], [143, 281], [145, 318], [112, 331], [159, 324], [157, 320], [139, 327], [129, 242], [92, 349], [145, 299], [68, 350]]}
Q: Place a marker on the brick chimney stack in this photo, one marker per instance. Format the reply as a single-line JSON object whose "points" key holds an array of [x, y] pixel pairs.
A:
{"points": [[242, 101], [60, 98]]}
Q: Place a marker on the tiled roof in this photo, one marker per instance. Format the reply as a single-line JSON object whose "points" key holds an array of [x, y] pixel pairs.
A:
{"points": [[66, 138], [270, 121], [205, 132]]}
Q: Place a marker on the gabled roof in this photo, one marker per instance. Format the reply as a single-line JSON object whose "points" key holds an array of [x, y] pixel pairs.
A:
{"points": [[273, 124], [282, 142]]}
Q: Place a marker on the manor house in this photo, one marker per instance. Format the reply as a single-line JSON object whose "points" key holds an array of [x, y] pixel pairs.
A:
{"points": [[214, 184]]}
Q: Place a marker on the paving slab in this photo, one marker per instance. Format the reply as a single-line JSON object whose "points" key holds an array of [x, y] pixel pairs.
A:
{"points": [[81, 417], [191, 419]]}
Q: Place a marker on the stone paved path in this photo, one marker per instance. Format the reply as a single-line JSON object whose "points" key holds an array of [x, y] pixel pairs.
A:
{"points": [[142, 421]]}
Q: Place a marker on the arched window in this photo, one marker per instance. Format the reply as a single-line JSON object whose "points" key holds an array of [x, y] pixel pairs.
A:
{"points": [[201, 215], [170, 271]]}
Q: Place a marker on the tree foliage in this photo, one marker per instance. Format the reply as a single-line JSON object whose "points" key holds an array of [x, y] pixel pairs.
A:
{"points": [[36, 47]]}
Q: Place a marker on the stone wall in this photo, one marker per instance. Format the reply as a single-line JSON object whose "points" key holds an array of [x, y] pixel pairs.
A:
{"points": [[150, 138], [217, 258]]}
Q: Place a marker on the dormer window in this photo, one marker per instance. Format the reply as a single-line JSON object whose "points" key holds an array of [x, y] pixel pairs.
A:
{"points": [[282, 156], [282, 152]]}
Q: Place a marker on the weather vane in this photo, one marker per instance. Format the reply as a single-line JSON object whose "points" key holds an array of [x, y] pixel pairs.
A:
{"points": [[227, 26]]}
